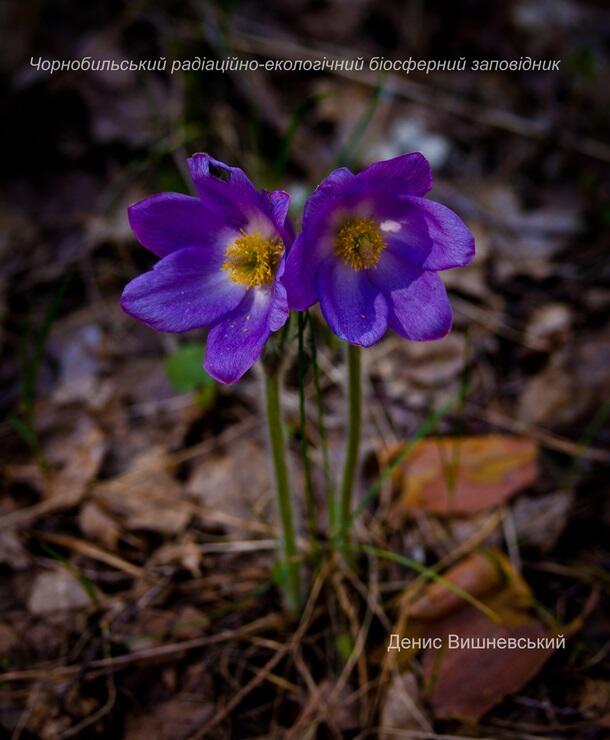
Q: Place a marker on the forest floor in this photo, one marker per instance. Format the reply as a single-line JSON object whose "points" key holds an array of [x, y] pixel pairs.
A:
{"points": [[138, 534]]}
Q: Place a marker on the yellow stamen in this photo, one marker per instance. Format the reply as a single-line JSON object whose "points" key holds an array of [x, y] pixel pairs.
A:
{"points": [[252, 259], [359, 243]]}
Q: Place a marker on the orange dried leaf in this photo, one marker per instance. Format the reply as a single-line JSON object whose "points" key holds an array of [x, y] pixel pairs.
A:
{"points": [[465, 475], [476, 575], [467, 683]]}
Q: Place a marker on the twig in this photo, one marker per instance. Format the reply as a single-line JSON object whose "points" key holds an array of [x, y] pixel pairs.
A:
{"points": [[269, 665], [94, 552], [121, 661]]}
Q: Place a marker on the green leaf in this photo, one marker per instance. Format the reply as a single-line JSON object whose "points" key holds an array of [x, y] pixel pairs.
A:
{"points": [[184, 369]]}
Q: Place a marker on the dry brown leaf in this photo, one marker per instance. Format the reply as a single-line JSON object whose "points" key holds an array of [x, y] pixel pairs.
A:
{"points": [[402, 708], [77, 345], [12, 552], [415, 372], [80, 453], [570, 386], [540, 520], [467, 683], [186, 552], [464, 475], [235, 482], [549, 326], [594, 700], [147, 496], [56, 591], [97, 525], [153, 626], [434, 363]]}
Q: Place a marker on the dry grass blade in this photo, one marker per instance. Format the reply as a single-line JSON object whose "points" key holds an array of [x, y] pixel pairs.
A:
{"points": [[262, 674], [94, 552], [103, 665]]}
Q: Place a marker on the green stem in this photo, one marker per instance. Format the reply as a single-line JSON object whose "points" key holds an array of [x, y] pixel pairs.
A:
{"points": [[310, 503], [329, 484], [354, 366], [290, 555]]}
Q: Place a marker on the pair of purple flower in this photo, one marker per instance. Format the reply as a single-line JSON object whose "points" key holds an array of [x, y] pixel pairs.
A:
{"points": [[369, 250]]}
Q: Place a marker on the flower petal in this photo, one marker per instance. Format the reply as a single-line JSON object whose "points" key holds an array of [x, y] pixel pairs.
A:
{"points": [[432, 236], [166, 222], [314, 243], [235, 343], [409, 174], [279, 310], [328, 194], [230, 193], [300, 276], [185, 290], [354, 308], [418, 305], [279, 202]]}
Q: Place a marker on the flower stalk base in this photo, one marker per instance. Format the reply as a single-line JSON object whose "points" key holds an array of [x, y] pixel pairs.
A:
{"points": [[354, 382], [289, 562]]}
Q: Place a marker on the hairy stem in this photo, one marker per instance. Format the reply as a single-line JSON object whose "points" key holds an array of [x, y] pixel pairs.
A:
{"points": [[310, 503], [329, 484], [290, 556], [354, 369]]}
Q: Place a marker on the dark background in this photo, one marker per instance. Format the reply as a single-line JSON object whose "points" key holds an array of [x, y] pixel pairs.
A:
{"points": [[523, 157]]}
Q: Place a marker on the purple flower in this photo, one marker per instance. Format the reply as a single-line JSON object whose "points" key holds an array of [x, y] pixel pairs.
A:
{"points": [[222, 255], [370, 250]]}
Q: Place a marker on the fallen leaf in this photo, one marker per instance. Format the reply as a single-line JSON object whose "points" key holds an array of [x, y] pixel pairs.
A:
{"points": [[476, 575], [12, 552], [526, 239], [235, 482], [594, 700], [56, 591], [548, 326], [146, 411], [570, 386], [187, 553], [434, 363], [77, 345], [464, 682], [464, 475], [79, 453], [150, 627], [402, 708], [414, 372], [147, 496], [540, 520], [467, 683], [97, 525]]}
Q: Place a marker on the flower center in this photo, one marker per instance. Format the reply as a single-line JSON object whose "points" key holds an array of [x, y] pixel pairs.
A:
{"points": [[359, 243], [252, 259]]}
